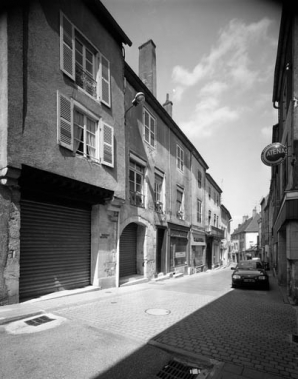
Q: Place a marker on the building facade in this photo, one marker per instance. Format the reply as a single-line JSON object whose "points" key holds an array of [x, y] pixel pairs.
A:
{"points": [[62, 160], [95, 189], [245, 238], [283, 195]]}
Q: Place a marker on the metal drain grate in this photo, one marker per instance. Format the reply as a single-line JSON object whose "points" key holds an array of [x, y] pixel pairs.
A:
{"points": [[39, 320], [175, 370]]}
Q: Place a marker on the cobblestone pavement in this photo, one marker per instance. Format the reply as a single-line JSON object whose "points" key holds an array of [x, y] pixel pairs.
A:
{"points": [[248, 328]]}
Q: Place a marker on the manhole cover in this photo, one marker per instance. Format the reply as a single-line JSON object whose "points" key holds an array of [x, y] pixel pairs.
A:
{"points": [[39, 320], [158, 312]]}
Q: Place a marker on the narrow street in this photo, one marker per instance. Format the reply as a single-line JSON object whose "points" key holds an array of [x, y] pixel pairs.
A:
{"points": [[122, 333]]}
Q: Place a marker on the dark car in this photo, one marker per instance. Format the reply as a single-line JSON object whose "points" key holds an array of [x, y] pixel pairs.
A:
{"points": [[250, 274]]}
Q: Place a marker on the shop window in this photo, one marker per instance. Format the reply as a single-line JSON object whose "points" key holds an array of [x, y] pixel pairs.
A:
{"points": [[178, 250], [197, 255], [136, 184]]}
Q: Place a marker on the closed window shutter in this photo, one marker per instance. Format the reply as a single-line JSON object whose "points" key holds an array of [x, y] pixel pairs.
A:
{"points": [[65, 121], [107, 145], [105, 81], [67, 47]]}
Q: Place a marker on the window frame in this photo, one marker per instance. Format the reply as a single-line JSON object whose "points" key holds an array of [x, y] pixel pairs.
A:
{"points": [[180, 208], [158, 193], [137, 198], [147, 128], [180, 158], [68, 60], [199, 211], [104, 148], [199, 179]]}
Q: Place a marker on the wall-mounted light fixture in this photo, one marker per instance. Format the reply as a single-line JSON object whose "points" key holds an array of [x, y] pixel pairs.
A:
{"points": [[138, 99]]}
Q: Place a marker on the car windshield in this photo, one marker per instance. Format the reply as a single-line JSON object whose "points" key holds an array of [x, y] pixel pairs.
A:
{"points": [[249, 265]]}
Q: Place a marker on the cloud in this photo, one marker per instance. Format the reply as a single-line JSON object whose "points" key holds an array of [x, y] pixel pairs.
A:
{"points": [[229, 58], [208, 116]]}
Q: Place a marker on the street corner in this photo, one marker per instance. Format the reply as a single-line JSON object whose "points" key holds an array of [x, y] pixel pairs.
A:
{"points": [[33, 324]]}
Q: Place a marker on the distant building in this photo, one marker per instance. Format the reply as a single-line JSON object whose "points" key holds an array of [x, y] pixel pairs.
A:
{"points": [[244, 239]]}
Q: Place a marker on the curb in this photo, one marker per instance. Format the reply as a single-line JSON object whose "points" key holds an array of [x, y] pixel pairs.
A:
{"points": [[8, 320]]}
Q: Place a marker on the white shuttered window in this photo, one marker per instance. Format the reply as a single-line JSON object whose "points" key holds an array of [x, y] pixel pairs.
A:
{"points": [[84, 133], [83, 63]]}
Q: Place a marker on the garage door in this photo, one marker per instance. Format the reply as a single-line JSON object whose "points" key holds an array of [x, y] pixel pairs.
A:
{"points": [[55, 248], [128, 250]]}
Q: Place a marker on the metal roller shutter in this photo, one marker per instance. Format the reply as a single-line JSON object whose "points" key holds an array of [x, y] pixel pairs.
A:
{"points": [[55, 248], [128, 250]]}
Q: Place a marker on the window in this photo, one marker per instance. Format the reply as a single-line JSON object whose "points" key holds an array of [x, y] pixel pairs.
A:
{"points": [[84, 133], [199, 179], [209, 217], [214, 219], [179, 204], [81, 61], [136, 184], [209, 192], [199, 211], [180, 158], [158, 193], [149, 128]]}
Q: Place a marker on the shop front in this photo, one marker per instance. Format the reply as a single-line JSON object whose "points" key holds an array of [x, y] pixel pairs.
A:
{"points": [[178, 248], [198, 252]]}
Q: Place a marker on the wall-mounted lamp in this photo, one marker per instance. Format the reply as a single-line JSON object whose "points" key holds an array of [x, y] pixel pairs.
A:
{"points": [[138, 99]]}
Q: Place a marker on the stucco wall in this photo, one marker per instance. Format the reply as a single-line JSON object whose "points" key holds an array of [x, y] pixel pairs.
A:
{"points": [[34, 141]]}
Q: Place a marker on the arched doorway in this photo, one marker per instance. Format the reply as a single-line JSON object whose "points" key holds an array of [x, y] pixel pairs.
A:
{"points": [[128, 250]]}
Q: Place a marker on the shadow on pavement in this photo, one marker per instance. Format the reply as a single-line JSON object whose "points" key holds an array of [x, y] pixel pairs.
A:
{"points": [[248, 328]]}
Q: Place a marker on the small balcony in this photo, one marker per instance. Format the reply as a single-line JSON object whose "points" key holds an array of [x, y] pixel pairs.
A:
{"points": [[85, 81], [137, 199], [215, 232]]}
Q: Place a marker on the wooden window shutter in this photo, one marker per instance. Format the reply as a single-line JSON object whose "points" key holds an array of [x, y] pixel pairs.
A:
{"points": [[67, 47], [105, 81], [107, 139], [65, 121]]}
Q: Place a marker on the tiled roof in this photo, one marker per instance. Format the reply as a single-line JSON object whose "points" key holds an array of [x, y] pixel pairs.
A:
{"points": [[249, 226]]}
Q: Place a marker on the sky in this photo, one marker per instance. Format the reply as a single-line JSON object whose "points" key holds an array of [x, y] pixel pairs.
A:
{"points": [[215, 59]]}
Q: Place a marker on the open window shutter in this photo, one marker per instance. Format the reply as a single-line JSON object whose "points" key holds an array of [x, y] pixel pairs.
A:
{"points": [[67, 47], [105, 81], [65, 121], [107, 138]]}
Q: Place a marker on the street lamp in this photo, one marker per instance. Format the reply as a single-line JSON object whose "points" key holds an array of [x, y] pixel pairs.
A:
{"points": [[138, 99]]}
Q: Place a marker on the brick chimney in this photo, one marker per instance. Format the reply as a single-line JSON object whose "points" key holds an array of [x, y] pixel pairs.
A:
{"points": [[147, 65], [254, 212], [168, 106]]}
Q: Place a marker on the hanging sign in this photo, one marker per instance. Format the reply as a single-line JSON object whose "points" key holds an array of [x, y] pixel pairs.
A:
{"points": [[274, 154]]}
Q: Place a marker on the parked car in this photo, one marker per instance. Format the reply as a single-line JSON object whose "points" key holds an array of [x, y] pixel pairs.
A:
{"points": [[250, 274]]}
